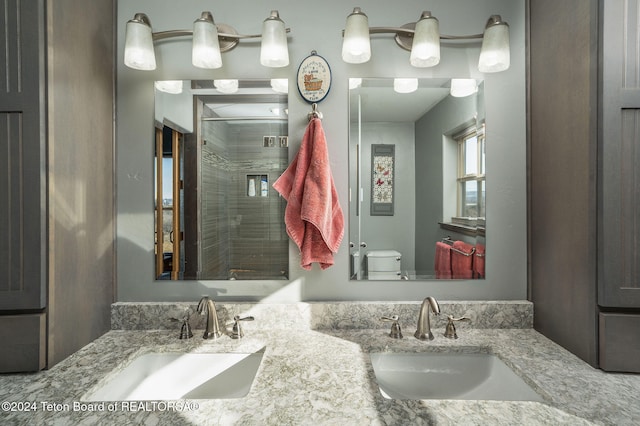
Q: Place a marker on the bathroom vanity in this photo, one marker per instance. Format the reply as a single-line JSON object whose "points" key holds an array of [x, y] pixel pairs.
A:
{"points": [[316, 369]]}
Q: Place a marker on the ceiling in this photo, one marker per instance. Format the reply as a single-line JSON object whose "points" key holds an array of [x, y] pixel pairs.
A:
{"points": [[253, 99], [380, 103]]}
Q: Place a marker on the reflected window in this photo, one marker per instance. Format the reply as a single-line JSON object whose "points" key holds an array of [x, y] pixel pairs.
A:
{"points": [[471, 173]]}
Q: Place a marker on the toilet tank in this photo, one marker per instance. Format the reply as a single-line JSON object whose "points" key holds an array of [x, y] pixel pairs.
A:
{"points": [[384, 264]]}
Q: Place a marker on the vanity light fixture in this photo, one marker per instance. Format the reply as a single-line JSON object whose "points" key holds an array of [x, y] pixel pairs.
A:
{"points": [[173, 87], [273, 48], [425, 48], [494, 55], [226, 85], [356, 47], [280, 85], [422, 39], [205, 49], [405, 85], [138, 45], [209, 41], [461, 87]]}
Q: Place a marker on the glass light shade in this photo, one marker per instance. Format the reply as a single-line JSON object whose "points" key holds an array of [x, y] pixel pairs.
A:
{"points": [[226, 86], [280, 85], [356, 46], [138, 44], [205, 51], [273, 51], [461, 87], [169, 86], [495, 56], [425, 51], [405, 85]]}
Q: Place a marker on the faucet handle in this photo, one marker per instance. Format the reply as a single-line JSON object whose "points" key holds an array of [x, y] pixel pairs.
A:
{"points": [[450, 331], [185, 330], [396, 331], [236, 331]]}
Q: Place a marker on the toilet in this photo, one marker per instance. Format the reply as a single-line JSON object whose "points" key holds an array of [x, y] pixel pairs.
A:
{"points": [[383, 264]]}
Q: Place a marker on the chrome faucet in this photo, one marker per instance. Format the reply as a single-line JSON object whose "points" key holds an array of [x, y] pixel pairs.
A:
{"points": [[423, 331], [213, 325]]}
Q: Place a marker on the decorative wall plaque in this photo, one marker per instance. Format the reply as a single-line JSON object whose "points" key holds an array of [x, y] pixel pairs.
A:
{"points": [[314, 78]]}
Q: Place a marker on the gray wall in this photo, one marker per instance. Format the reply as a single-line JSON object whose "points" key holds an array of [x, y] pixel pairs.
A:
{"points": [[391, 232], [505, 115], [444, 119], [80, 174]]}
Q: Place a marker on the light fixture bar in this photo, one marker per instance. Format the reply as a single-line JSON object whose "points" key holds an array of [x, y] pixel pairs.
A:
{"points": [[161, 35], [409, 30], [404, 35], [228, 40]]}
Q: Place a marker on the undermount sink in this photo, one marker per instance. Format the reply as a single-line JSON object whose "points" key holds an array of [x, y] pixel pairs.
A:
{"points": [[172, 375], [448, 376]]}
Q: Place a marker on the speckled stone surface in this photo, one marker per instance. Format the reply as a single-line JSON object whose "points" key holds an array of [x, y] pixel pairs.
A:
{"points": [[325, 377], [324, 316]]}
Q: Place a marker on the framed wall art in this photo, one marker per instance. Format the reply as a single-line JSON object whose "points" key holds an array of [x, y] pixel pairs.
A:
{"points": [[382, 177]]}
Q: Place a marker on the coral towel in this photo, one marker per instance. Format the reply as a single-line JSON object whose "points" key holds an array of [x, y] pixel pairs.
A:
{"points": [[313, 216], [443, 260], [461, 265]]}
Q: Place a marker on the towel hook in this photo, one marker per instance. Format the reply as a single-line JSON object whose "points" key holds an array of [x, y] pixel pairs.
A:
{"points": [[315, 113]]}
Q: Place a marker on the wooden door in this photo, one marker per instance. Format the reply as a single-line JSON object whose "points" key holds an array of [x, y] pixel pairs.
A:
{"points": [[169, 206]]}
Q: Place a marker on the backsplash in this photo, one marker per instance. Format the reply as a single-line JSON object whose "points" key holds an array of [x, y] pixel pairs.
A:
{"points": [[322, 315]]}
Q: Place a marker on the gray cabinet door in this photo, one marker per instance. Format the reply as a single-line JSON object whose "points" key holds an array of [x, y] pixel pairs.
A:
{"points": [[619, 225], [22, 156], [619, 342]]}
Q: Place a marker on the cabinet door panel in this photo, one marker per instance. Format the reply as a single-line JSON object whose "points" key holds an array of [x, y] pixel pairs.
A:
{"points": [[23, 340], [619, 227], [620, 342], [22, 156]]}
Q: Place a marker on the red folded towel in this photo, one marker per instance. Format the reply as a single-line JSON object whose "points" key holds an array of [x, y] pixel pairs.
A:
{"points": [[443, 261], [478, 261], [461, 265], [313, 216]]}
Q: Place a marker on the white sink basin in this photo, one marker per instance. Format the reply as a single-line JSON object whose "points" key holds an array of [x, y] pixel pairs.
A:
{"points": [[448, 376], [171, 375]]}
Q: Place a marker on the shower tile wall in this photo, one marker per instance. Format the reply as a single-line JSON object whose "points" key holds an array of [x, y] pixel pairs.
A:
{"points": [[247, 234], [216, 179]]}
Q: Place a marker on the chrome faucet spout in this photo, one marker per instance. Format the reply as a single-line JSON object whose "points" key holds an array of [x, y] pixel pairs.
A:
{"points": [[423, 331], [213, 325]]}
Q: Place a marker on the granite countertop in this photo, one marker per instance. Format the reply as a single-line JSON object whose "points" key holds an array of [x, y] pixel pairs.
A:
{"points": [[325, 377]]}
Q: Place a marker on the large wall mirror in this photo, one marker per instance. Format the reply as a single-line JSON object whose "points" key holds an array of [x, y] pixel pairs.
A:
{"points": [[417, 179], [219, 146]]}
